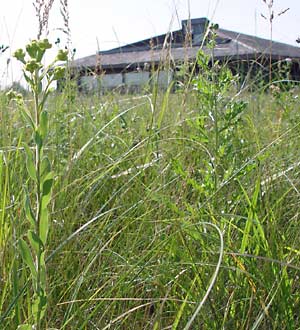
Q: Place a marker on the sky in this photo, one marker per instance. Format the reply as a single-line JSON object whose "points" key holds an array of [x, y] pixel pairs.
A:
{"points": [[96, 24]]}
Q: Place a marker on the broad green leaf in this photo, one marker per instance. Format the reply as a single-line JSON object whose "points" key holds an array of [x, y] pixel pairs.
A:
{"points": [[39, 305], [45, 96], [26, 116], [44, 225], [35, 241], [38, 139], [28, 79], [29, 163], [45, 167], [40, 87], [43, 124], [28, 210], [46, 189], [27, 256], [43, 271]]}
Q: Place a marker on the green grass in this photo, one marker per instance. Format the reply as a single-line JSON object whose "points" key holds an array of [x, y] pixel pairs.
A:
{"points": [[140, 200]]}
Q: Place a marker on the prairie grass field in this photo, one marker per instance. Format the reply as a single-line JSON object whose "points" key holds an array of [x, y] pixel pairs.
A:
{"points": [[169, 210]]}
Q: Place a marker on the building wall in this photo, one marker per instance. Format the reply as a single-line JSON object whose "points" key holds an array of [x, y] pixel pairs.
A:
{"points": [[112, 80], [107, 81], [129, 81], [163, 78], [88, 83], [136, 78]]}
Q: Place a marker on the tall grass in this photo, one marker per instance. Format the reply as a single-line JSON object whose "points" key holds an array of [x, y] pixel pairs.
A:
{"points": [[138, 211], [170, 210]]}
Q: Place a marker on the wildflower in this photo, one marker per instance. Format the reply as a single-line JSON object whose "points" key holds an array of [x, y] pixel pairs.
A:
{"points": [[11, 94], [62, 55], [19, 54], [59, 72], [32, 65], [44, 44], [33, 49]]}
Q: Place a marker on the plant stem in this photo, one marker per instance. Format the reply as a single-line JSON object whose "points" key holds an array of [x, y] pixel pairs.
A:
{"points": [[38, 196]]}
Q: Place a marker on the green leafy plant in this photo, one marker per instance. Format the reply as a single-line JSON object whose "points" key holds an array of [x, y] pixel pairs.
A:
{"points": [[38, 188], [216, 126]]}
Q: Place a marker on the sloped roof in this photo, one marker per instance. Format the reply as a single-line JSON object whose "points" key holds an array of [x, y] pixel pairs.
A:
{"points": [[262, 46], [229, 45]]}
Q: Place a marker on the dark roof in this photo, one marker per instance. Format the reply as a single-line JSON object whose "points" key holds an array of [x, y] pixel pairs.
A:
{"points": [[229, 45], [262, 46]]}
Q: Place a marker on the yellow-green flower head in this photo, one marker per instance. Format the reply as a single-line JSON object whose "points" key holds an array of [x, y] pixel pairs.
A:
{"points": [[11, 94], [44, 44], [19, 54], [19, 97], [32, 65], [62, 55], [33, 49], [59, 72]]}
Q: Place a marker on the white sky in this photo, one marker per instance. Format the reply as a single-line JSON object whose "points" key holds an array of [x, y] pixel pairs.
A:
{"points": [[116, 22]]}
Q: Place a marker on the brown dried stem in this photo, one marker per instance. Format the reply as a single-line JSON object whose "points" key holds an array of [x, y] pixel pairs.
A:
{"points": [[42, 9]]}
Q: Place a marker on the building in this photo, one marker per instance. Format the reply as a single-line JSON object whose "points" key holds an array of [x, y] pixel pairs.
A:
{"points": [[156, 59]]}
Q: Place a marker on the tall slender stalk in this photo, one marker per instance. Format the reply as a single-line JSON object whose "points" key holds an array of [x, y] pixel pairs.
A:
{"points": [[270, 18], [39, 170]]}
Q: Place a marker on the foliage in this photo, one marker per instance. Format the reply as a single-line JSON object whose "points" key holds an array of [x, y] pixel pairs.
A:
{"points": [[174, 210], [40, 177], [18, 88]]}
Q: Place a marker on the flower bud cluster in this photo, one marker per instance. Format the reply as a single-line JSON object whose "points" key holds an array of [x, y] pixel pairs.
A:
{"points": [[33, 55]]}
